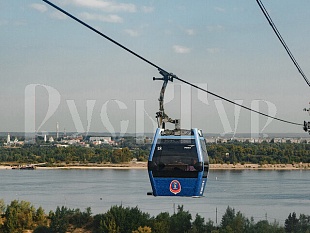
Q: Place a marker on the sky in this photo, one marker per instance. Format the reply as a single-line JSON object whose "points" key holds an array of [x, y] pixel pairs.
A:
{"points": [[53, 69]]}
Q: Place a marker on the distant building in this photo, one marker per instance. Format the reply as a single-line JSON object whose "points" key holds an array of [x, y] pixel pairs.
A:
{"points": [[57, 131], [8, 140], [51, 139], [96, 143], [102, 140], [61, 145]]}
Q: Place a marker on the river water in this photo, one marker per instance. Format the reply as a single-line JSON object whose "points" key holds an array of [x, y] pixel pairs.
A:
{"points": [[270, 195]]}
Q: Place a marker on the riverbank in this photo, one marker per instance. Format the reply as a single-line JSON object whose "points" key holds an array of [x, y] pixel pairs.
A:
{"points": [[143, 165], [297, 166]]}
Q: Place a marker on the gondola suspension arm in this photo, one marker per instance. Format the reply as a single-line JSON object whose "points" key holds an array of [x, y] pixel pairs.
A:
{"points": [[161, 116]]}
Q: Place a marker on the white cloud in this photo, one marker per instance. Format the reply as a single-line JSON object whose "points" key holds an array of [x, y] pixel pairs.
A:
{"points": [[16, 23], [109, 6], [215, 28], [219, 9], [103, 18], [190, 32], [20, 23], [181, 49], [237, 9], [147, 9], [58, 15], [4, 22], [132, 33], [213, 50], [39, 7]]}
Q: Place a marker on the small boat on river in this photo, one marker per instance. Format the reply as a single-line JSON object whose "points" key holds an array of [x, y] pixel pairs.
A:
{"points": [[24, 167]]}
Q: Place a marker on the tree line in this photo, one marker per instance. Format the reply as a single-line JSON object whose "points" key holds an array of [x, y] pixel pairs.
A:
{"points": [[264, 153], [72, 154], [232, 152], [19, 216]]}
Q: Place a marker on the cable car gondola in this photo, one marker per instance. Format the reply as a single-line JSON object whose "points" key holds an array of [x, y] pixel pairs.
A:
{"points": [[178, 163]]}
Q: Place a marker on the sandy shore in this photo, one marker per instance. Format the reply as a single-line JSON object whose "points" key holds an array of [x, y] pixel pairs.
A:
{"points": [[237, 166], [143, 165]]}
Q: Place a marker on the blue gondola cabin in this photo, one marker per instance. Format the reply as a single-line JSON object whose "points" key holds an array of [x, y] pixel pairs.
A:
{"points": [[178, 164]]}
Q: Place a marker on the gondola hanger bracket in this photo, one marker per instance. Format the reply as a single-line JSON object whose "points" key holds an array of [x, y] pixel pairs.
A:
{"points": [[161, 116]]}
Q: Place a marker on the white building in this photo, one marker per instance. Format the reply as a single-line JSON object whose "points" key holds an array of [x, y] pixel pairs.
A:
{"points": [[8, 140], [104, 140]]}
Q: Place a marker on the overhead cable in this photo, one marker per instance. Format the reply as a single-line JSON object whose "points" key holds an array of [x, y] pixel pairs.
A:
{"points": [[159, 68], [273, 26]]}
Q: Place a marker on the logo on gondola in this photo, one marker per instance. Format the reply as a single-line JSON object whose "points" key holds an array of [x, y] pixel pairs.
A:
{"points": [[175, 187]]}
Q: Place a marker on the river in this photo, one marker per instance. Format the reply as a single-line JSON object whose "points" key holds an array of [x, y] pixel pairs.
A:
{"points": [[270, 195]]}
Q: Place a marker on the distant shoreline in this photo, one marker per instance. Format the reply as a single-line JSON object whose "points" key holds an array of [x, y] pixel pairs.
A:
{"points": [[238, 166], [143, 165]]}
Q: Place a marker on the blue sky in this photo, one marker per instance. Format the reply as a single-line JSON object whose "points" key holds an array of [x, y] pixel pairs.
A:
{"points": [[226, 46]]}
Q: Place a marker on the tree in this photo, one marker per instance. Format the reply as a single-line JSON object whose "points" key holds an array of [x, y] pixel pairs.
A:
{"points": [[40, 217], [232, 222], [265, 226], [59, 220], [181, 221], [78, 218], [42, 229], [2, 206], [161, 223], [121, 155], [210, 226], [120, 219], [198, 225], [228, 217], [19, 216], [304, 223], [110, 226], [291, 223], [144, 229]]}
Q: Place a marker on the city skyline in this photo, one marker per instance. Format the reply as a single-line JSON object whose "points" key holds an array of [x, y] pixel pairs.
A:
{"points": [[88, 84]]}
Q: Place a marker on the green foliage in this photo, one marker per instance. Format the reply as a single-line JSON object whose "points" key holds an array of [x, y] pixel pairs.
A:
{"points": [[121, 155], [161, 223], [259, 153], [2, 207], [209, 227], [22, 216], [198, 225], [181, 221], [291, 223], [60, 220], [232, 152], [120, 219], [40, 217], [265, 226], [228, 217], [71, 154], [42, 229], [63, 217], [144, 229], [237, 223], [19, 216], [297, 225]]}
